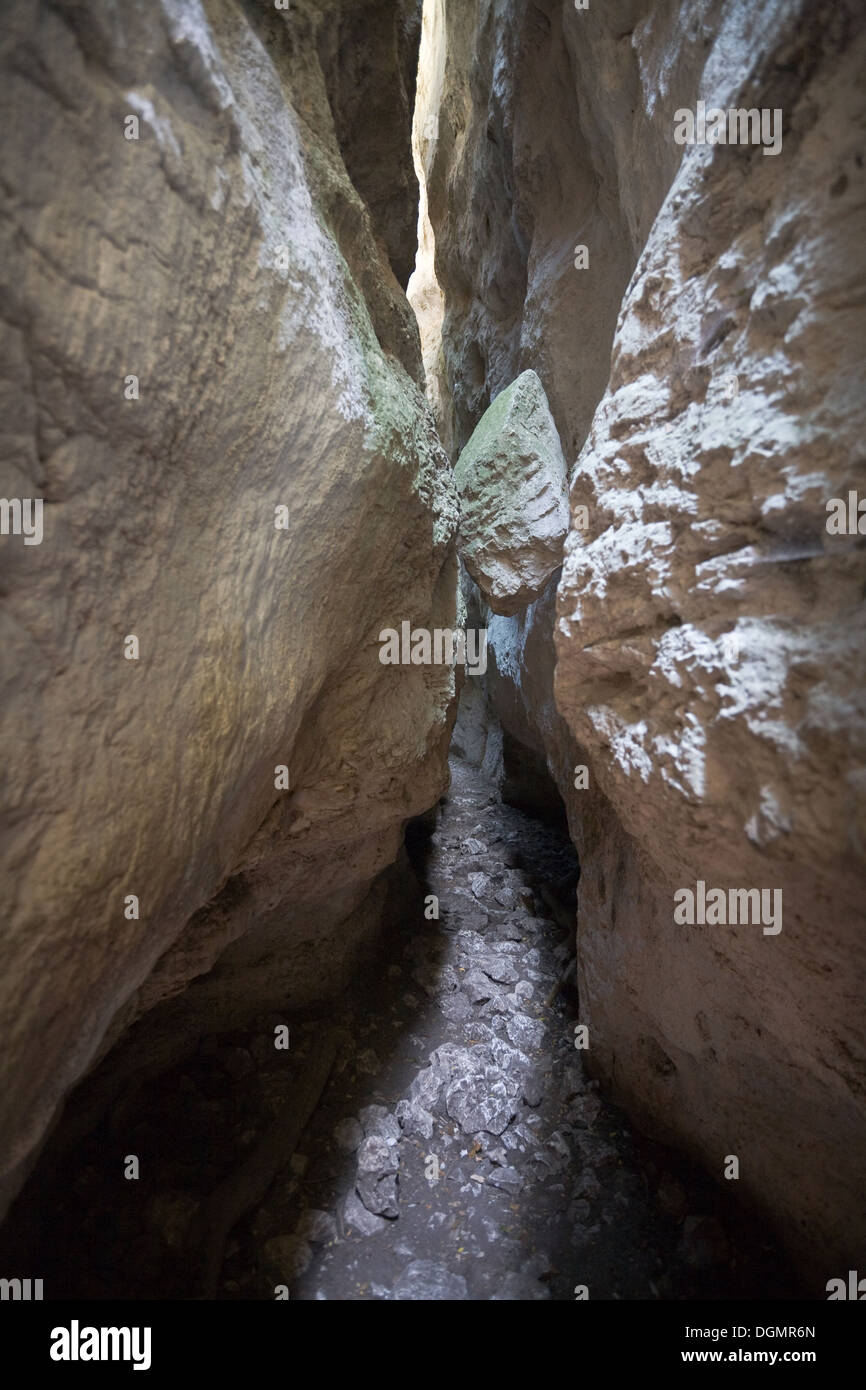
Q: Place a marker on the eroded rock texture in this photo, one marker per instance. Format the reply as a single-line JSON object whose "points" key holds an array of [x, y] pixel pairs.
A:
{"points": [[709, 641], [227, 260]]}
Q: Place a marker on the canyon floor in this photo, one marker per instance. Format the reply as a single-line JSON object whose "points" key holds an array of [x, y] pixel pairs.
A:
{"points": [[457, 1151]]}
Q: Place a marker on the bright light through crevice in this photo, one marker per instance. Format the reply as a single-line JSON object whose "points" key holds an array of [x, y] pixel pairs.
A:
{"points": [[424, 292]]}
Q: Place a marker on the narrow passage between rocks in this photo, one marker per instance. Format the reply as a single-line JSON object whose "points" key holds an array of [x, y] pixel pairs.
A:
{"points": [[456, 1148], [462, 1152]]}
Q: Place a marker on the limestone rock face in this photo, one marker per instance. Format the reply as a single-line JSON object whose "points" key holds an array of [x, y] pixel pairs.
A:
{"points": [[369, 55], [511, 477], [541, 135], [225, 260], [709, 643]]}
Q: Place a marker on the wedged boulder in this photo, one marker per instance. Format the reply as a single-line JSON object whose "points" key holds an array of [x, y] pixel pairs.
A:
{"points": [[512, 480]]}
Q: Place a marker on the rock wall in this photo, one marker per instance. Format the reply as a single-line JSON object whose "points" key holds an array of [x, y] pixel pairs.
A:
{"points": [[704, 364], [224, 257]]}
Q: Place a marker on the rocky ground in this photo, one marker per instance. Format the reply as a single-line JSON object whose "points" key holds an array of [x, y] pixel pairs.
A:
{"points": [[458, 1151]]}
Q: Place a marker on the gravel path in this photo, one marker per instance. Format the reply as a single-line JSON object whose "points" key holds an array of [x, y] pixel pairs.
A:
{"points": [[461, 1152], [458, 1151]]}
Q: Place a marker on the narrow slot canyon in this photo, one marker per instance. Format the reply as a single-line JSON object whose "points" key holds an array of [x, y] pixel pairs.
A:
{"points": [[434, 652], [452, 1147]]}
